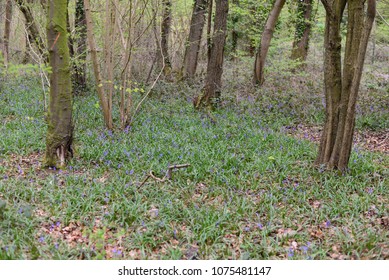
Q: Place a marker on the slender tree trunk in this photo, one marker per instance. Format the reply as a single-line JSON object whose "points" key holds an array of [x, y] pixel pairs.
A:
{"points": [[195, 33], [341, 89], [60, 127], [266, 37], [109, 47], [211, 92], [79, 77], [33, 34], [234, 32], [303, 30], [70, 37], [7, 30], [107, 114], [165, 32]]}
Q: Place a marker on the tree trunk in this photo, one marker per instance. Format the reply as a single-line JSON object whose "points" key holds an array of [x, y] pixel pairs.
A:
{"points": [[79, 77], [303, 30], [266, 37], [33, 34], [341, 89], [209, 28], [211, 92], [107, 114], [68, 28], [109, 47], [234, 32], [195, 33], [60, 127], [165, 32], [7, 30]]}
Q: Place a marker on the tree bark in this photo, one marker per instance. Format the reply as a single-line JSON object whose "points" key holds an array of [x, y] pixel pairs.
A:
{"points": [[96, 69], [303, 30], [109, 47], [234, 32], [7, 30], [211, 92], [341, 89], [266, 37], [195, 33], [33, 34], [165, 32], [60, 127], [209, 28]]}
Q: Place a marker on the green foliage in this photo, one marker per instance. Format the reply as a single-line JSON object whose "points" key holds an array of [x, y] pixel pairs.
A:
{"points": [[247, 18]]}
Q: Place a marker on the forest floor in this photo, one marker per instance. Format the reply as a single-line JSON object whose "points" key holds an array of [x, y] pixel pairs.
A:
{"points": [[251, 190]]}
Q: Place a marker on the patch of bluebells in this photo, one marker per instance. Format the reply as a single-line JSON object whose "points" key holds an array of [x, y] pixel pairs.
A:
{"points": [[290, 253], [117, 252]]}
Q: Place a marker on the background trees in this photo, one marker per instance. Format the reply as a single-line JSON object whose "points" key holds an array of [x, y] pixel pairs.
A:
{"points": [[133, 44]]}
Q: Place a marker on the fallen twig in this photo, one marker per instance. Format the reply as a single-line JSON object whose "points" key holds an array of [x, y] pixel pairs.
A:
{"points": [[168, 174]]}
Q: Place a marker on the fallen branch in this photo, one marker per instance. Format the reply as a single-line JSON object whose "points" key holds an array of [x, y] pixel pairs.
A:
{"points": [[168, 174]]}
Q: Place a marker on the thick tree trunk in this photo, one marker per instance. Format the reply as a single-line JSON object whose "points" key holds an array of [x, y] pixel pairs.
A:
{"points": [[211, 92], [60, 127], [79, 77], [107, 114], [195, 33], [266, 37], [33, 34], [165, 32], [303, 30], [7, 30], [341, 89]]}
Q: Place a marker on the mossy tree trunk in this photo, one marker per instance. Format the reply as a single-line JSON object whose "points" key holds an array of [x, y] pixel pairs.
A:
{"points": [[60, 127], [33, 35], [264, 45], [195, 33], [210, 95], [342, 83], [303, 30]]}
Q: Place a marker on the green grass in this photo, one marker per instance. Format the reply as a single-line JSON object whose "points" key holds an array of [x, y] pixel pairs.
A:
{"points": [[251, 191]]}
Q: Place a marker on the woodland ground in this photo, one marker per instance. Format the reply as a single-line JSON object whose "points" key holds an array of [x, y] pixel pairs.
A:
{"points": [[251, 191]]}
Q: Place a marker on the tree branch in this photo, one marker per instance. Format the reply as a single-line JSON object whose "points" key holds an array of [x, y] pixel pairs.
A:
{"points": [[327, 6]]}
